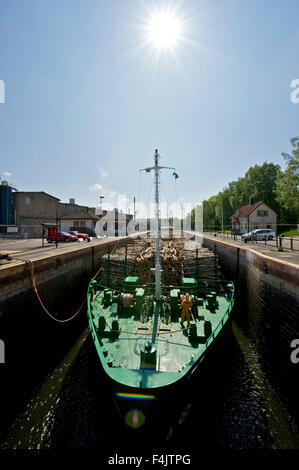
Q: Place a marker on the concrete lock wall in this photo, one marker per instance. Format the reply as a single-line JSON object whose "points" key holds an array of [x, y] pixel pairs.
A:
{"points": [[34, 343], [267, 310]]}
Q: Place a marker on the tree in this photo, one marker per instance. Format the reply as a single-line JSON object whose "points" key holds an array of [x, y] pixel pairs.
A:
{"points": [[287, 193]]}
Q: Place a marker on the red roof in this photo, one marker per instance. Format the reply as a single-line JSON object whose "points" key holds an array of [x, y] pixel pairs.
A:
{"points": [[244, 211]]}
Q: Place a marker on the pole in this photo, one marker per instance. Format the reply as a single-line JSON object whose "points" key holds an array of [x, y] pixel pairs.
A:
{"points": [[56, 240], [156, 169], [197, 267], [126, 261], [134, 208], [222, 214], [216, 266], [157, 269]]}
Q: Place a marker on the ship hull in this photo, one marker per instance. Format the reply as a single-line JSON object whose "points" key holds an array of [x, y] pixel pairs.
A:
{"points": [[144, 410]]}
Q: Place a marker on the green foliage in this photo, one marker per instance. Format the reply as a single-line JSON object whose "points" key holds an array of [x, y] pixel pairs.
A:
{"points": [[259, 182], [267, 182], [287, 192]]}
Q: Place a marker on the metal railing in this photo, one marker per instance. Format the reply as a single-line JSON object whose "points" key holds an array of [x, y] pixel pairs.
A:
{"points": [[287, 243]]}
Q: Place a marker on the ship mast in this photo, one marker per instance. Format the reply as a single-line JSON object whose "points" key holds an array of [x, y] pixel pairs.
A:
{"points": [[157, 169]]}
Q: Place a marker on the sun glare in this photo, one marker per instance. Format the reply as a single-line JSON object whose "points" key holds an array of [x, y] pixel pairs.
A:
{"points": [[164, 30]]}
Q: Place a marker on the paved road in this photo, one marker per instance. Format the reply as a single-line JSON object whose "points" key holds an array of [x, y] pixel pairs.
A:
{"points": [[269, 249], [32, 248], [286, 241]]}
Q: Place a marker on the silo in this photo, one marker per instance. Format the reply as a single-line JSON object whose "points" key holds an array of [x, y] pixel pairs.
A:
{"points": [[5, 204]]}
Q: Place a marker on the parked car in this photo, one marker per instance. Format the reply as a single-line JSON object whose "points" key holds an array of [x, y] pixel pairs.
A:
{"points": [[85, 236], [259, 234], [62, 237]]}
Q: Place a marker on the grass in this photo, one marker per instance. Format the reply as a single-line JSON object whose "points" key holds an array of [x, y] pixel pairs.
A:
{"points": [[291, 233], [279, 248]]}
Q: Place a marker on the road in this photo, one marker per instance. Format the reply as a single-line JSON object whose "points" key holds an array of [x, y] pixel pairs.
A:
{"points": [[270, 249], [32, 248]]}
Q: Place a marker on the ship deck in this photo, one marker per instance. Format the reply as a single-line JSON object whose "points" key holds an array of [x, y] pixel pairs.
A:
{"points": [[175, 346]]}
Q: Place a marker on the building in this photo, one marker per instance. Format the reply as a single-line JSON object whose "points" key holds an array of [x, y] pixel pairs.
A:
{"points": [[113, 223], [253, 216], [70, 207], [5, 204], [32, 209], [84, 221]]}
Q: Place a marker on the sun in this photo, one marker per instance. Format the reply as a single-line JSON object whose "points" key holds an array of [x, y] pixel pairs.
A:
{"points": [[164, 30]]}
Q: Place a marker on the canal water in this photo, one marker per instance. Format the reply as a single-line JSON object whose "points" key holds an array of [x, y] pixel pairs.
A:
{"points": [[75, 409]]}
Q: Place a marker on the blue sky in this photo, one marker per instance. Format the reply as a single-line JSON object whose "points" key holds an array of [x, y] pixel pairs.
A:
{"points": [[85, 106]]}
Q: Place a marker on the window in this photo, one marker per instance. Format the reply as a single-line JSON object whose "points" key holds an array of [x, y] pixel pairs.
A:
{"points": [[261, 213], [76, 223], [82, 223], [27, 200]]}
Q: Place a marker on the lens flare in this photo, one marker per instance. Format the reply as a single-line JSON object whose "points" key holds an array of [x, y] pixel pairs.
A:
{"points": [[135, 396], [135, 419]]}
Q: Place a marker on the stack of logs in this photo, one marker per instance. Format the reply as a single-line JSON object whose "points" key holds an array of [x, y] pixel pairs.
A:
{"points": [[206, 263], [177, 260], [170, 259]]}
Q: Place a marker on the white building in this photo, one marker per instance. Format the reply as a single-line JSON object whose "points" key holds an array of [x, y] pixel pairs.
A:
{"points": [[256, 215], [84, 221]]}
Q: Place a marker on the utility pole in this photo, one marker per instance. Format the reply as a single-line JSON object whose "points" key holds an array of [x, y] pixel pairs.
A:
{"points": [[134, 208], [222, 213], [56, 240]]}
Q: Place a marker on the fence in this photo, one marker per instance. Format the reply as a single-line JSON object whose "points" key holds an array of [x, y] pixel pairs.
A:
{"points": [[280, 241]]}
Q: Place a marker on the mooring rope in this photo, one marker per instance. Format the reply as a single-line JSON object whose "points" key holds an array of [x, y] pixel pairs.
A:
{"points": [[32, 275]]}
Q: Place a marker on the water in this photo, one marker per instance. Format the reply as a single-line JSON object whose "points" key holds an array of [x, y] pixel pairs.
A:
{"points": [[237, 409]]}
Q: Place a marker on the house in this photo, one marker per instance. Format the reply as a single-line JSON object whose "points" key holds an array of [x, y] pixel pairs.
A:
{"points": [[31, 209], [69, 207], [113, 223], [255, 215], [83, 220]]}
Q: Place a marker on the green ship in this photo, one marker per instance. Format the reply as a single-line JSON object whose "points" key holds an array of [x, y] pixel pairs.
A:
{"points": [[142, 344]]}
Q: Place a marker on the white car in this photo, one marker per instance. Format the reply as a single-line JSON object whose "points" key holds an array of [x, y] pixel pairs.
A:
{"points": [[259, 234]]}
